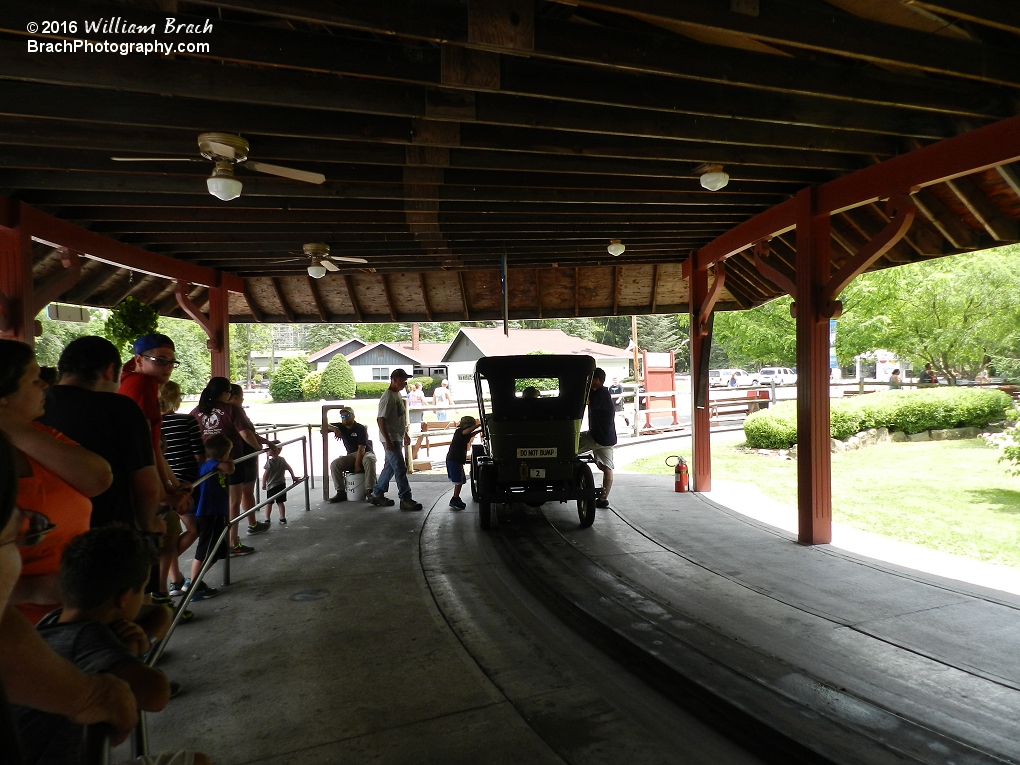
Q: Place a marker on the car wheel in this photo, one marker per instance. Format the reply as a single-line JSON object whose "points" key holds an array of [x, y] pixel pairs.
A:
{"points": [[586, 502], [477, 450]]}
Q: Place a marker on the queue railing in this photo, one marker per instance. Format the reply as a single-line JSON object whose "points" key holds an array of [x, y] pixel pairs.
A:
{"points": [[97, 737]]}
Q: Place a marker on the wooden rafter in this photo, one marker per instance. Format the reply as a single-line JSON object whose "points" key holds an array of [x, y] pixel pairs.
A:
{"points": [[253, 305], [992, 219], [538, 291], [278, 290], [655, 286], [463, 296], [616, 290], [320, 309], [351, 295], [577, 291], [389, 298]]}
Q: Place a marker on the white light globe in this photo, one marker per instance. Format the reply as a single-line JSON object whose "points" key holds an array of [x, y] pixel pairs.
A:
{"points": [[224, 187], [316, 272], [616, 248], [714, 181]]}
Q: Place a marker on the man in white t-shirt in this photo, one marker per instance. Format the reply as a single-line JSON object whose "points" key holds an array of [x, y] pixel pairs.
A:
{"points": [[392, 419]]}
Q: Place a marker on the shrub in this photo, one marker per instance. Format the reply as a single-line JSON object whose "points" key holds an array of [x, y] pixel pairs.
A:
{"points": [[129, 320], [370, 389], [909, 411], [286, 383], [311, 387], [338, 379]]}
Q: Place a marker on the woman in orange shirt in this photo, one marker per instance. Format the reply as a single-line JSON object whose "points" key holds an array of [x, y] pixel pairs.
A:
{"points": [[56, 477]]}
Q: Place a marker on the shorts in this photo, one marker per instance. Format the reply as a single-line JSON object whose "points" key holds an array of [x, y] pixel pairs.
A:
{"points": [[603, 454], [455, 472], [209, 529], [275, 488], [244, 472], [173, 524]]}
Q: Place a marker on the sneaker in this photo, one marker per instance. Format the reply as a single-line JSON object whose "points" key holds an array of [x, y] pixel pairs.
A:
{"points": [[283, 521], [601, 503], [338, 498], [161, 599], [380, 501], [259, 527], [204, 591], [410, 505], [240, 549], [196, 595], [175, 589], [458, 503], [188, 615]]}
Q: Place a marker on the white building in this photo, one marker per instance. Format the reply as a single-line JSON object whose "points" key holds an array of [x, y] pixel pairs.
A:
{"points": [[472, 343]]}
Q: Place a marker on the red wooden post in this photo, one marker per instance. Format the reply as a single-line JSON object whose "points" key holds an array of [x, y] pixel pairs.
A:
{"points": [[814, 477], [700, 433], [219, 341], [17, 319]]}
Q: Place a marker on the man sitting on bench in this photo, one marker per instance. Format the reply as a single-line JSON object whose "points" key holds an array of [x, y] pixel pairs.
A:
{"points": [[359, 457]]}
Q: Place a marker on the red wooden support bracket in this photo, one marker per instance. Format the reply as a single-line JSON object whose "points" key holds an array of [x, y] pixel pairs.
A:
{"points": [[215, 341], [6, 314], [761, 251], [60, 284], [901, 209], [711, 298]]}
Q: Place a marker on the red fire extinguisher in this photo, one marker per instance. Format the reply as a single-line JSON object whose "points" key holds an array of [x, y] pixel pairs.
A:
{"points": [[681, 476]]}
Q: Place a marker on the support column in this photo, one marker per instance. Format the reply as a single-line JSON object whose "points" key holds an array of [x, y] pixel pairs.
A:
{"points": [[700, 345], [814, 476], [17, 320], [219, 340]]}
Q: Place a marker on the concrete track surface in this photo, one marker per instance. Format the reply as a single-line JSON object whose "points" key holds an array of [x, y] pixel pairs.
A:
{"points": [[672, 631]]}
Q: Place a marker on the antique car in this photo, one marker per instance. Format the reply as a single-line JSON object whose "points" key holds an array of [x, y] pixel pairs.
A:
{"points": [[528, 452]]}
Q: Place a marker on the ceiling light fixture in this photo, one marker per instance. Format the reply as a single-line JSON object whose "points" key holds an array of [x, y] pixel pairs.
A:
{"points": [[222, 183], [316, 270], [616, 248], [714, 178]]}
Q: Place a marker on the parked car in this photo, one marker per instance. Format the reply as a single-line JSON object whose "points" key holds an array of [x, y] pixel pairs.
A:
{"points": [[777, 375], [720, 378]]}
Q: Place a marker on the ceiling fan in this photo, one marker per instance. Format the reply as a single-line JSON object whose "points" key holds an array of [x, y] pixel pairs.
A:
{"points": [[227, 151], [320, 261]]}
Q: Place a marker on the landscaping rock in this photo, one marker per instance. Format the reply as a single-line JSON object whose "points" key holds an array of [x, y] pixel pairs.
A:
{"points": [[793, 452], [969, 432], [939, 435], [882, 434], [994, 429], [869, 437], [836, 446], [898, 436], [922, 436]]}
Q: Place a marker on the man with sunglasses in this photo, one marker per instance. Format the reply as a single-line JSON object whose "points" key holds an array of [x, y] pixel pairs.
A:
{"points": [[359, 455], [153, 363]]}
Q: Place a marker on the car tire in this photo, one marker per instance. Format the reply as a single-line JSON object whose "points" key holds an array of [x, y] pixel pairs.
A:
{"points": [[585, 483], [477, 451]]}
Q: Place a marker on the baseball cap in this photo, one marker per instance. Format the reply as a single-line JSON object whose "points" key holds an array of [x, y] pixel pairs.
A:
{"points": [[148, 342], [346, 410], [398, 372]]}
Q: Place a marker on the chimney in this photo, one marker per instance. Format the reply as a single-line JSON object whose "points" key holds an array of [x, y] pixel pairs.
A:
{"points": [[415, 336]]}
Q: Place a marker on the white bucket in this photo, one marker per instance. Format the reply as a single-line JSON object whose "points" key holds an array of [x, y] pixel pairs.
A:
{"points": [[354, 484]]}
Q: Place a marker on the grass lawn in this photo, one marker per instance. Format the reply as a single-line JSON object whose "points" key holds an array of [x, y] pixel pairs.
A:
{"points": [[951, 496]]}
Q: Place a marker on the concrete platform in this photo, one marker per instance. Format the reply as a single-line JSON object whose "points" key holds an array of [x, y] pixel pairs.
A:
{"points": [[361, 634]]}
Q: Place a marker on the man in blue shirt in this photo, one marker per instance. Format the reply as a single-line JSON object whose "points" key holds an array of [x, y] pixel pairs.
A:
{"points": [[600, 438], [359, 457]]}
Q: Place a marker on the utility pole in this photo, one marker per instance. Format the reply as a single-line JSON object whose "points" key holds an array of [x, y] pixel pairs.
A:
{"points": [[633, 334]]}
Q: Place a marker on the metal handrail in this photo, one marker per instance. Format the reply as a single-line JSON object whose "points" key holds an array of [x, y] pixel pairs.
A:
{"points": [[97, 737]]}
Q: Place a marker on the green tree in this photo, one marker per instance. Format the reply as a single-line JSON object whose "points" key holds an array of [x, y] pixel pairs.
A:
{"points": [[57, 334], [762, 336], [246, 339], [286, 382], [338, 379], [128, 320], [191, 349], [321, 335]]}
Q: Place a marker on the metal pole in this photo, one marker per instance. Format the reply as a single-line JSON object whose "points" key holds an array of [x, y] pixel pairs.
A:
{"points": [[310, 460], [304, 458], [140, 737]]}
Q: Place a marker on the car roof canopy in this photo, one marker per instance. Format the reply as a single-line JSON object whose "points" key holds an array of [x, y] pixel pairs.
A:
{"points": [[502, 373]]}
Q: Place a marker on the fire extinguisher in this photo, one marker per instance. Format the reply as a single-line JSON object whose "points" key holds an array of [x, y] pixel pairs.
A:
{"points": [[681, 476]]}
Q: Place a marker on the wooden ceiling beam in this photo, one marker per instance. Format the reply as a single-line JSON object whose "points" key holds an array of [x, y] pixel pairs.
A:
{"points": [[253, 305], [827, 30], [424, 296], [1001, 227], [320, 308], [620, 47], [463, 296], [389, 298], [958, 233], [278, 289], [1004, 16], [352, 296]]}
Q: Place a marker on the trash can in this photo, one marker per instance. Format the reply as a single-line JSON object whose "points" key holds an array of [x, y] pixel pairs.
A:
{"points": [[354, 484]]}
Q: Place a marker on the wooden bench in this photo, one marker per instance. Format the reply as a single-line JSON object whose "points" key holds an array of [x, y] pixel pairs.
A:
{"points": [[433, 434], [736, 406], [858, 392]]}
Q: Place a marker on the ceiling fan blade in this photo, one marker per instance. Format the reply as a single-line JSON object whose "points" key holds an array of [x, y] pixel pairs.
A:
{"points": [[157, 159], [286, 172], [345, 259], [329, 265]]}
